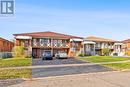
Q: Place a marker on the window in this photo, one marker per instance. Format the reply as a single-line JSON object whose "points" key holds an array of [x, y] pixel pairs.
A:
{"points": [[26, 43], [34, 42], [57, 43], [45, 42]]}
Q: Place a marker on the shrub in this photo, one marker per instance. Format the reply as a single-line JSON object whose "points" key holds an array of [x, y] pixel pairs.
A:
{"points": [[81, 55], [18, 51], [105, 51]]}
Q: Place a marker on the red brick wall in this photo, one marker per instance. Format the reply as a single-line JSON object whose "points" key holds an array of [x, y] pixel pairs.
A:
{"points": [[5, 45]]}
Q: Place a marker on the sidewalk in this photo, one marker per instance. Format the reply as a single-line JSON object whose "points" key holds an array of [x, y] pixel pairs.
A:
{"points": [[104, 79], [65, 65]]}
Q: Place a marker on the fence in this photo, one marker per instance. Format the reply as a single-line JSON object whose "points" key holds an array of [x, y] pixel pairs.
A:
{"points": [[5, 54]]}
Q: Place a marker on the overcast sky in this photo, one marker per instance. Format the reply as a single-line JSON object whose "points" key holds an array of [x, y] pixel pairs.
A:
{"points": [[102, 18]]}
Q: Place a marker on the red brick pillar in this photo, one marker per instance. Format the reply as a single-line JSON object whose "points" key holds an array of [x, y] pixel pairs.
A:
{"points": [[17, 42], [30, 42]]}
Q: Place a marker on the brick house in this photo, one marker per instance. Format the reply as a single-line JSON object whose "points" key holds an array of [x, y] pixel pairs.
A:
{"points": [[38, 42], [127, 46], [5, 45]]}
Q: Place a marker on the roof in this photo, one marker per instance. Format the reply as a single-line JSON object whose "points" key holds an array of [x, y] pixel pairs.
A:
{"points": [[99, 39], [5, 40], [47, 34], [126, 41]]}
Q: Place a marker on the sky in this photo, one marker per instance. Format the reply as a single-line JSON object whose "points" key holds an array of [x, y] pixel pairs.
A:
{"points": [[102, 18]]}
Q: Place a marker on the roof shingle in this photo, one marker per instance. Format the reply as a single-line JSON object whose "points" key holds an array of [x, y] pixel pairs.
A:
{"points": [[47, 34], [93, 38]]}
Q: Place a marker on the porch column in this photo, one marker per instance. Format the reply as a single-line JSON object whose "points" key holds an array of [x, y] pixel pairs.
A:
{"points": [[94, 49], [52, 46], [83, 48]]}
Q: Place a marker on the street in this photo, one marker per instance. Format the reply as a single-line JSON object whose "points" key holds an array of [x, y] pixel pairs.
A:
{"points": [[102, 79]]}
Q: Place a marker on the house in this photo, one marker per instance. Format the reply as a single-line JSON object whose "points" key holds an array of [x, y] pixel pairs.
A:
{"points": [[94, 45], [39, 42], [127, 46], [5, 45], [119, 48]]}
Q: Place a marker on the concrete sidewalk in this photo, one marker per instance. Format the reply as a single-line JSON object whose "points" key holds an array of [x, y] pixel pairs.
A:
{"points": [[106, 79], [65, 65]]}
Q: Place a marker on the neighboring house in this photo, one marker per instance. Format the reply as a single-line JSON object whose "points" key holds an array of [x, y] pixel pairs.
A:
{"points": [[127, 46], [119, 49], [39, 42], [95, 45], [5, 45]]}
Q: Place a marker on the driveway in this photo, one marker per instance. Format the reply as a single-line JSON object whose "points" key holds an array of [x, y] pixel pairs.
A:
{"points": [[65, 70], [57, 61]]}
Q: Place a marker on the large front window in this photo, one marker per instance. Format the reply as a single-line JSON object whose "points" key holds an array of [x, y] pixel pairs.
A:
{"points": [[45, 42], [41, 42], [75, 46], [57, 43], [60, 43]]}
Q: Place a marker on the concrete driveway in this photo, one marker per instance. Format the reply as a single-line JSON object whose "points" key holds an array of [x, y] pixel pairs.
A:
{"points": [[65, 70]]}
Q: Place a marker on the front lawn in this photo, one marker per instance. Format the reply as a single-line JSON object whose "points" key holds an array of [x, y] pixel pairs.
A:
{"points": [[118, 66], [15, 73], [115, 66], [97, 59], [14, 62]]}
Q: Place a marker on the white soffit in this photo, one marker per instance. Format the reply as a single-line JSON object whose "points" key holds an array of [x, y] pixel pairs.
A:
{"points": [[88, 42], [76, 39], [118, 44], [23, 37]]}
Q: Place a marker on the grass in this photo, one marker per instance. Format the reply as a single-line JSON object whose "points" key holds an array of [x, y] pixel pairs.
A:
{"points": [[15, 73], [13, 62], [98, 59], [116, 66]]}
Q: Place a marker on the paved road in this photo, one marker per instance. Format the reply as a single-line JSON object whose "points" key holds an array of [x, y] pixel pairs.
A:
{"points": [[107, 79], [65, 70]]}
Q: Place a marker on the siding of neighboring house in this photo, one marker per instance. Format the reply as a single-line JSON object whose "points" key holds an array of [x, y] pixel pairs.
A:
{"points": [[127, 46], [5, 45], [41, 41], [128, 49], [98, 46]]}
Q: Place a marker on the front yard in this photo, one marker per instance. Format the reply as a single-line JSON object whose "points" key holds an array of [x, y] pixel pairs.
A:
{"points": [[13, 62], [15, 73], [116, 66]]}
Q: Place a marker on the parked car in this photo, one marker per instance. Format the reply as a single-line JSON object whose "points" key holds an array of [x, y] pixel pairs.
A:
{"points": [[61, 55], [115, 54], [47, 55]]}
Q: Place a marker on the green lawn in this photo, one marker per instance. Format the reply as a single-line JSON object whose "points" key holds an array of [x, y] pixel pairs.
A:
{"points": [[116, 66], [97, 59], [13, 62], [15, 73]]}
